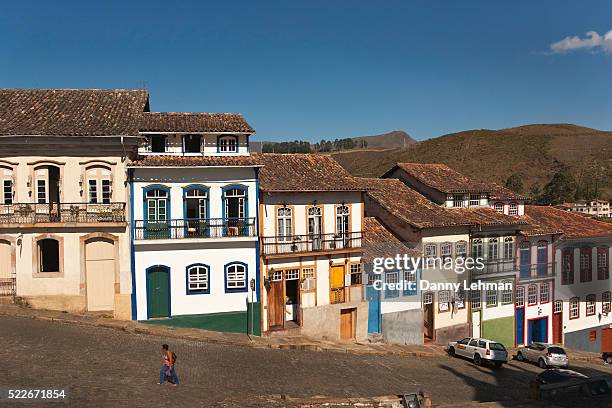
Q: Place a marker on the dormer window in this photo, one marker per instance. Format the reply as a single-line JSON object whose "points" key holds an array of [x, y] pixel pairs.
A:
{"points": [[227, 144], [157, 143], [499, 207], [192, 143], [474, 200], [513, 209], [457, 200]]}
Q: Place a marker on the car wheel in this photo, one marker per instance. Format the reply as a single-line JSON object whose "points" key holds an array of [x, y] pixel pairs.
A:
{"points": [[542, 363], [477, 360], [520, 357], [451, 352], [609, 359]]}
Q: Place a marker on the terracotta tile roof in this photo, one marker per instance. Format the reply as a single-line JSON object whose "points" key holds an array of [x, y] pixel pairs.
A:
{"points": [[498, 192], [71, 112], [378, 242], [441, 177], [304, 172], [549, 220], [194, 161], [410, 206], [416, 210], [198, 122], [487, 216]]}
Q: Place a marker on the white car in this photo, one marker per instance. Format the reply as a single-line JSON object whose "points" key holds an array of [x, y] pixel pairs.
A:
{"points": [[480, 350]]}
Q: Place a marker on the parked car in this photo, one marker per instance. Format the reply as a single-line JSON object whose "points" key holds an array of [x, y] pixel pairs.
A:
{"points": [[545, 355], [558, 375], [481, 351]]}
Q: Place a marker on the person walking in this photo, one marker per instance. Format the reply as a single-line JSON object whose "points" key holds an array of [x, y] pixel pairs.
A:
{"points": [[168, 368]]}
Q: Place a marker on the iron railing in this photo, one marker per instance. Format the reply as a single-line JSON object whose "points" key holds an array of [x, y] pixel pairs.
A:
{"points": [[194, 228], [32, 213], [497, 265], [7, 286], [534, 271], [310, 243]]}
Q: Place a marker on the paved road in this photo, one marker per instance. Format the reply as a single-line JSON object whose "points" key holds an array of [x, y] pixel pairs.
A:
{"points": [[104, 367]]}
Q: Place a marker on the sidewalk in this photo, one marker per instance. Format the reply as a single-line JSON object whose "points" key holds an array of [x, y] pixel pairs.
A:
{"points": [[286, 342]]}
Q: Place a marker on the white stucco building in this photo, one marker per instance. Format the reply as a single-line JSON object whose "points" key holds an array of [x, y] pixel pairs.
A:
{"points": [[194, 218]]}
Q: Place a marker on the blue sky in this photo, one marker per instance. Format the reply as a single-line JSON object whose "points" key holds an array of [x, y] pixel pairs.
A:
{"points": [[326, 69]]}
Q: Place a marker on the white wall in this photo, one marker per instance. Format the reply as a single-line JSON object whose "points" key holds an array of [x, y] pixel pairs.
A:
{"points": [[174, 145]]}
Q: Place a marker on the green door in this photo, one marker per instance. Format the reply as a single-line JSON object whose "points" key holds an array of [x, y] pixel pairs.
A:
{"points": [[158, 292]]}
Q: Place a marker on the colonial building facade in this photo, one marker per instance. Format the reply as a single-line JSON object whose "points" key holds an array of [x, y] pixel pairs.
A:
{"points": [[194, 219], [311, 215], [64, 238]]}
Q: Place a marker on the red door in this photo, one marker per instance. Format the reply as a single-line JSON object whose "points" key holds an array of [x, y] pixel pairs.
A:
{"points": [[557, 328]]}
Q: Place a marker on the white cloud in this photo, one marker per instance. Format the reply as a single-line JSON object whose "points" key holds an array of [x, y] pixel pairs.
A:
{"points": [[593, 42]]}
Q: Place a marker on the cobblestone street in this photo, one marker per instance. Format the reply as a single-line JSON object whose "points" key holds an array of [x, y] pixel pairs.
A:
{"points": [[105, 367]]}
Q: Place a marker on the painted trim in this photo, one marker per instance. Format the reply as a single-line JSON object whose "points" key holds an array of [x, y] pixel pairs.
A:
{"points": [[145, 214], [571, 273], [529, 328], [195, 187], [246, 277], [520, 247], [589, 270], [537, 291], [167, 269], [258, 244], [542, 284], [586, 304], [187, 291], [569, 311], [132, 249], [223, 202], [228, 136]]}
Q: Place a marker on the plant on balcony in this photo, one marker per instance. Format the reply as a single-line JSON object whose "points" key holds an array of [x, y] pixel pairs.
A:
{"points": [[105, 215], [24, 210]]}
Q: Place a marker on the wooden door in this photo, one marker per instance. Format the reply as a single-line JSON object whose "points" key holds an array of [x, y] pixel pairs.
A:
{"points": [[557, 328], [100, 274], [158, 292], [348, 318], [7, 284], [276, 306], [428, 320], [606, 340]]}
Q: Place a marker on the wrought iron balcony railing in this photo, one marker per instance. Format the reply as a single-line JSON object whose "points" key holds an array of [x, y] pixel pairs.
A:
{"points": [[32, 213], [534, 271], [291, 244], [194, 228], [497, 265]]}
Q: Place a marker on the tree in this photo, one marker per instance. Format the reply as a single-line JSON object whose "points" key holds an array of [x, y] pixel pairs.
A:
{"points": [[561, 188], [515, 183]]}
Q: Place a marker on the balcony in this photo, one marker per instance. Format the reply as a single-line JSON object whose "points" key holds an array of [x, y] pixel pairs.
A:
{"points": [[195, 228], [535, 271], [34, 213], [296, 244], [497, 266]]}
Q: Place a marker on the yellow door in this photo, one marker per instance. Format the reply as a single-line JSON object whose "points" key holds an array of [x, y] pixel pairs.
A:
{"points": [[100, 267], [336, 276]]}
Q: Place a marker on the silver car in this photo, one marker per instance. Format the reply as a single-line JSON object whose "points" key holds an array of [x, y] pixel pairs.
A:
{"points": [[545, 355], [480, 350]]}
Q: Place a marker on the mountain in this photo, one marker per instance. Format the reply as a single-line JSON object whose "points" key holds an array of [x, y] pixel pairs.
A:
{"points": [[390, 140], [533, 152]]}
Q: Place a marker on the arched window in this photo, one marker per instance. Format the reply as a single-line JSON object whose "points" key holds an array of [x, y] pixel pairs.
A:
{"points": [[446, 251], [235, 202], [477, 248], [574, 308], [542, 258], [47, 184], [590, 305], [544, 292], [343, 220], [198, 279], [499, 207], [509, 248], [460, 249], [493, 250], [227, 144], [99, 185], [315, 222], [284, 223], [157, 202], [513, 209], [235, 277], [532, 295]]}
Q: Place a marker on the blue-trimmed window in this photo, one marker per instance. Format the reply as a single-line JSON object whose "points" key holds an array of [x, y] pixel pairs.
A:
{"points": [[192, 143], [157, 211], [391, 278], [227, 144], [196, 211], [198, 279], [236, 277]]}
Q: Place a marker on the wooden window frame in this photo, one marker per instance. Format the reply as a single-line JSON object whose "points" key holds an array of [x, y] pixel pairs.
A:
{"points": [[572, 301], [591, 301]]}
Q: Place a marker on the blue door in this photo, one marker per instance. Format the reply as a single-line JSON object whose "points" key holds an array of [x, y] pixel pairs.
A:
{"points": [[538, 330], [520, 326], [373, 297]]}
